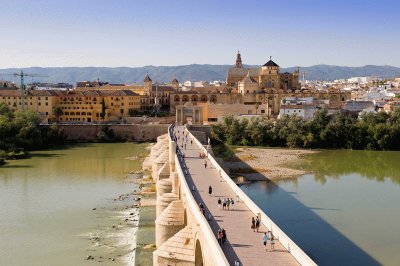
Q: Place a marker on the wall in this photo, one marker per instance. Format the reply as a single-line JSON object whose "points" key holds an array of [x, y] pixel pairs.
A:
{"points": [[131, 132]]}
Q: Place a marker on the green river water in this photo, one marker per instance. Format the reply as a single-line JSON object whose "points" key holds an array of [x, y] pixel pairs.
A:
{"points": [[47, 202], [346, 212]]}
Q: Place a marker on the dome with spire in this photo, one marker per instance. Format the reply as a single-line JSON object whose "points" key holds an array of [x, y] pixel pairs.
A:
{"points": [[147, 78], [271, 63]]}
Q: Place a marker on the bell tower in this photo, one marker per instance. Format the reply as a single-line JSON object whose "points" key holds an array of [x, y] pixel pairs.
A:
{"points": [[238, 61], [148, 84]]}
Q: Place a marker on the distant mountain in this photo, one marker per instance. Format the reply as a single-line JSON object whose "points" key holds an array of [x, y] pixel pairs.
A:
{"points": [[193, 72]]}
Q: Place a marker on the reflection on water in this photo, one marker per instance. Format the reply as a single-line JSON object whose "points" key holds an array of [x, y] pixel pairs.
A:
{"points": [[347, 213], [374, 165], [47, 201]]}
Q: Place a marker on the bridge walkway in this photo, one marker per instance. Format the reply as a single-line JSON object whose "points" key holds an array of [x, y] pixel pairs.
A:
{"points": [[242, 243]]}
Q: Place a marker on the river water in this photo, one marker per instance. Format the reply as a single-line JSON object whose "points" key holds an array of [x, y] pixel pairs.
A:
{"points": [[63, 205], [347, 212]]}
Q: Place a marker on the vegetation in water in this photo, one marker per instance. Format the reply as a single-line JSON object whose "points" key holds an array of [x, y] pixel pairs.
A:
{"points": [[20, 131], [372, 131]]}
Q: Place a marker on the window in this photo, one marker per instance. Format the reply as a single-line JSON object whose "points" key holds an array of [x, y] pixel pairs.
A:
{"points": [[263, 111]]}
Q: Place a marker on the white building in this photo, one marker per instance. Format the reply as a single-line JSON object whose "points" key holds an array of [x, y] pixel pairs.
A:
{"points": [[302, 107]]}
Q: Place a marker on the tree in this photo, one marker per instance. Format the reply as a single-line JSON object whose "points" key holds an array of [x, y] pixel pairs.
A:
{"points": [[103, 109], [57, 112]]}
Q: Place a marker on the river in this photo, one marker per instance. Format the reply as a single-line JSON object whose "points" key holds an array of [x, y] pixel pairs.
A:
{"points": [[62, 205], [347, 212]]}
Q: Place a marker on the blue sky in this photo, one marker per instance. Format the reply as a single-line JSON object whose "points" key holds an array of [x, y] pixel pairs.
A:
{"points": [[176, 32]]}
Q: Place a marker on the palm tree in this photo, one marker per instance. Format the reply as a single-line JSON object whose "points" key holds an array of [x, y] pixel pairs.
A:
{"points": [[57, 112]]}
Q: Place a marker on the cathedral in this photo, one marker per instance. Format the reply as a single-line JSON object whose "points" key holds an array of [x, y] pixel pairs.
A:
{"points": [[266, 79]]}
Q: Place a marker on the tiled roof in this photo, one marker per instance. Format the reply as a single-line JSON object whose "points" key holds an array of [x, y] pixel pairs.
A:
{"points": [[271, 63]]}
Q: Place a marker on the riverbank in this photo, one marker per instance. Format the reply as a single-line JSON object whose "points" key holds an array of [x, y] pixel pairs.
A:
{"points": [[145, 235], [258, 164]]}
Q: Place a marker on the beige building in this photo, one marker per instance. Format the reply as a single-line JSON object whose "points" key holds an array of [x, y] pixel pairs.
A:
{"points": [[250, 91], [87, 106], [38, 101]]}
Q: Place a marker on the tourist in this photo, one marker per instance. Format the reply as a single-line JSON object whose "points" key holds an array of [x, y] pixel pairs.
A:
{"points": [[219, 203], [182, 145], [265, 240], [219, 237], [204, 212], [209, 216], [253, 224], [210, 190], [185, 146], [205, 163], [224, 204], [228, 202], [272, 241], [232, 203], [223, 235], [191, 142], [201, 206], [257, 224]]}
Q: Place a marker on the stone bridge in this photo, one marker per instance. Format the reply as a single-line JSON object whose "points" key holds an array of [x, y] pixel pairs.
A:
{"points": [[184, 236]]}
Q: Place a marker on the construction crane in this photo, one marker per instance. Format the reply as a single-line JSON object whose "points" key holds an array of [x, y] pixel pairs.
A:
{"points": [[22, 75]]}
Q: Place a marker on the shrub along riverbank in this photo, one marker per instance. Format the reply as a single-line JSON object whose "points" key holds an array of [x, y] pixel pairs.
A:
{"points": [[20, 132], [372, 131]]}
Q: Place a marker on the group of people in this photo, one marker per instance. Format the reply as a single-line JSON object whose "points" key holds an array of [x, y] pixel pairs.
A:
{"points": [[226, 203], [255, 225], [268, 236], [221, 236]]}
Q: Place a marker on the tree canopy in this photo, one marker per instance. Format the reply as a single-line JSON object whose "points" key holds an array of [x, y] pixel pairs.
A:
{"points": [[372, 131]]}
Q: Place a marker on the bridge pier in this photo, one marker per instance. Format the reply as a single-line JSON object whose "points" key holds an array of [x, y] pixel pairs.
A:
{"points": [[179, 238]]}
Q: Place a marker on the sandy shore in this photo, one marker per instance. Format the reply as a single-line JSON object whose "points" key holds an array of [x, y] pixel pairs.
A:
{"points": [[259, 164]]}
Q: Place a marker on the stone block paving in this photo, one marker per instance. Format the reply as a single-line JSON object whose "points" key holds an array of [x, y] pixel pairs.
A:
{"points": [[242, 243]]}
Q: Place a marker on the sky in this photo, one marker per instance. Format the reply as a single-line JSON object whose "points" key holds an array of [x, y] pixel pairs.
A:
{"points": [[115, 33]]}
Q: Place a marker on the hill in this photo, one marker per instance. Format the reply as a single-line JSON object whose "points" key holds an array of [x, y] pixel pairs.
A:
{"points": [[194, 72]]}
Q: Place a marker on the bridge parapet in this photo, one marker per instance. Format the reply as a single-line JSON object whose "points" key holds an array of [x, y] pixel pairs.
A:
{"points": [[183, 236]]}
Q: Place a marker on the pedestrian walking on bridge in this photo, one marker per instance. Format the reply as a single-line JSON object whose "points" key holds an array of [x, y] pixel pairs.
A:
{"points": [[265, 240], [223, 235], [219, 237], [205, 163], [210, 190], [253, 224], [257, 224]]}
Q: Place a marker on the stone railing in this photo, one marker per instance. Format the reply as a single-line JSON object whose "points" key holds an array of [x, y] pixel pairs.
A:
{"points": [[286, 242], [218, 256]]}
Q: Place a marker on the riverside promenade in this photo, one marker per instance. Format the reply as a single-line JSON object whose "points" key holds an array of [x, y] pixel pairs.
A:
{"points": [[242, 243]]}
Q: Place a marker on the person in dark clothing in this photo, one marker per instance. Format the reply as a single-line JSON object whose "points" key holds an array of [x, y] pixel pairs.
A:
{"points": [[223, 235], [257, 224], [210, 190]]}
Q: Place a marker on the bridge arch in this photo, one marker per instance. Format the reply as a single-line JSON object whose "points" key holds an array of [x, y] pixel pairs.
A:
{"points": [[198, 254]]}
